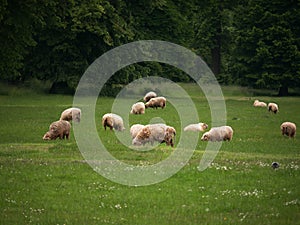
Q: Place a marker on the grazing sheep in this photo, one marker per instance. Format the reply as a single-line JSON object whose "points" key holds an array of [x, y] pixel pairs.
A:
{"points": [[134, 129], [149, 95], [222, 133], [138, 108], [257, 103], [273, 107], [155, 132], [113, 121], [196, 127], [156, 102], [71, 114], [288, 128], [58, 129]]}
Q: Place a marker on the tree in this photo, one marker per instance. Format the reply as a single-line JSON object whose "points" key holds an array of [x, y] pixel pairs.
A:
{"points": [[267, 52]]}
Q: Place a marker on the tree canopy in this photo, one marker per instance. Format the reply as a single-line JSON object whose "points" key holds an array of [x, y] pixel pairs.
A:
{"points": [[253, 43]]}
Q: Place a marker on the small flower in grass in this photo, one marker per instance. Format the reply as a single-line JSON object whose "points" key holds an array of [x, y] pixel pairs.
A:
{"points": [[118, 206]]}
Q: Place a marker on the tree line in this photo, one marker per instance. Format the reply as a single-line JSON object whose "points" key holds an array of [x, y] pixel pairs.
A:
{"points": [[246, 42]]}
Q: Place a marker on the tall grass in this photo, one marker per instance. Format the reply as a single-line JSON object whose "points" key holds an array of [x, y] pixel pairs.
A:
{"points": [[50, 183]]}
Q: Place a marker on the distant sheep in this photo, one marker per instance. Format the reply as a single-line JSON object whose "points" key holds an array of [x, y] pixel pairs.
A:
{"points": [[196, 127], [71, 114], [58, 129], [222, 133], [273, 107], [257, 103], [156, 102], [113, 121], [135, 128], [138, 108], [155, 132], [288, 128], [149, 95]]}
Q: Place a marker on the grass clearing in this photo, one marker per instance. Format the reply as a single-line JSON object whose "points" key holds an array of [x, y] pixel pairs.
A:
{"points": [[50, 183]]}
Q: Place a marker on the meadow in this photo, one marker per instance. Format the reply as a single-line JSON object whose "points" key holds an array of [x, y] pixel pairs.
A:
{"points": [[49, 182]]}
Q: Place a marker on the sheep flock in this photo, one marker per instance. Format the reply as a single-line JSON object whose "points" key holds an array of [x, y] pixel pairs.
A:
{"points": [[142, 134]]}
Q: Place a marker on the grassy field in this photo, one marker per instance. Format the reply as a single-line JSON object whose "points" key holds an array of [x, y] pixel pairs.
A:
{"points": [[50, 183]]}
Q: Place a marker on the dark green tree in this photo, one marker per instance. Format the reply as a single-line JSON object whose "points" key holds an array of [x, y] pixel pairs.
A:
{"points": [[266, 53]]}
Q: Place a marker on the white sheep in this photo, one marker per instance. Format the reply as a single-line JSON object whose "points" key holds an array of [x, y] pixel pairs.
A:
{"points": [[273, 107], [134, 129], [258, 103], [222, 133], [71, 114], [149, 95], [288, 128], [113, 121], [58, 129], [155, 132], [196, 127], [138, 108], [156, 102]]}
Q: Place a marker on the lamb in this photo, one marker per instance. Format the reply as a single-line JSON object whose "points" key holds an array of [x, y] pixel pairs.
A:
{"points": [[113, 121], [222, 133], [134, 129], [71, 114], [156, 102], [155, 132], [58, 129], [257, 103], [196, 127], [288, 128], [138, 108], [273, 107], [149, 95]]}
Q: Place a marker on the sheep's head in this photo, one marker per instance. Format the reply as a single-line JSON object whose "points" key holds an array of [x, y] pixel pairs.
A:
{"points": [[205, 137], [48, 136], [203, 126], [170, 136]]}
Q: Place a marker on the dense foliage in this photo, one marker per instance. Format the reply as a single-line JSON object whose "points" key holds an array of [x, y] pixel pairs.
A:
{"points": [[253, 43]]}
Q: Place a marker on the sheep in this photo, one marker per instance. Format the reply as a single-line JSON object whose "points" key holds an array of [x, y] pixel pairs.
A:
{"points": [[196, 127], [288, 128], [134, 129], [113, 121], [156, 102], [149, 95], [138, 108], [257, 103], [71, 114], [155, 132], [273, 107], [58, 129], [222, 133]]}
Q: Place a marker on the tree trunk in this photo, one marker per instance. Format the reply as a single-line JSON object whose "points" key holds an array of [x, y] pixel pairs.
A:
{"points": [[216, 58], [283, 91]]}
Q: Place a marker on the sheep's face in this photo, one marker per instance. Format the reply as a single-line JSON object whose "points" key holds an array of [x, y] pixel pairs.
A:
{"points": [[204, 126], [48, 136], [205, 137]]}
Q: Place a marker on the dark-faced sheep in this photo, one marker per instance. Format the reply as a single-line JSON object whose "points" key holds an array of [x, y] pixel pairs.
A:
{"points": [[257, 103], [71, 114], [58, 129], [156, 102], [155, 133], [138, 108], [273, 107], [223, 133], [113, 121], [288, 128], [196, 127], [149, 95]]}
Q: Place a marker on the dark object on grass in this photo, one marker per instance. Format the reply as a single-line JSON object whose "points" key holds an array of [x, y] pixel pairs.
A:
{"points": [[275, 165]]}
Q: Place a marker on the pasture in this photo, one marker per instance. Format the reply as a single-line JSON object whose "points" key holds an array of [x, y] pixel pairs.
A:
{"points": [[48, 182]]}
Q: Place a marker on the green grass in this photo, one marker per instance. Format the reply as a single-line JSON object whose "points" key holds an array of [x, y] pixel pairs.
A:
{"points": [[49, 182]]}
